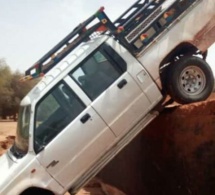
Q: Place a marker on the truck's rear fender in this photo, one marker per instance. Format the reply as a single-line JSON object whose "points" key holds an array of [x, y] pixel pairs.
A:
{"points": [[203, 38], [188, 34]]}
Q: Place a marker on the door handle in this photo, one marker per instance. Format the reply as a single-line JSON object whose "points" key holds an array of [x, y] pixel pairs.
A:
{"points": [[53, 163], [85, 118], [122, 83]]}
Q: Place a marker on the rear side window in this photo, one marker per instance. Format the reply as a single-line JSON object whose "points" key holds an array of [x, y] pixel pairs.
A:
{"points": [[95, 74], [54, 112]]}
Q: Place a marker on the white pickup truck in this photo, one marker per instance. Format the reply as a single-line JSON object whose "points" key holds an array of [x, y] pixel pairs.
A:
{"points": [[102, 85]]}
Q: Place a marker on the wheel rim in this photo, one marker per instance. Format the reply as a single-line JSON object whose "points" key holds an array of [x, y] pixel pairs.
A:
{"points": [[192, 80]]}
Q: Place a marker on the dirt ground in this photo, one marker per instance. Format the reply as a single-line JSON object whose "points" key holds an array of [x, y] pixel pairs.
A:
{"points": [[175, 154], [7, 134]]}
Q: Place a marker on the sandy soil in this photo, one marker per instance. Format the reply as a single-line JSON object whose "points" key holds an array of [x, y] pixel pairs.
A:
{"points": [[7, 135]]}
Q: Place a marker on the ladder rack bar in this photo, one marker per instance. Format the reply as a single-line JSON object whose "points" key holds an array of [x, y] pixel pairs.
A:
{"points": [[81, 34], [122, 19], [141, 15], [79, 31]]}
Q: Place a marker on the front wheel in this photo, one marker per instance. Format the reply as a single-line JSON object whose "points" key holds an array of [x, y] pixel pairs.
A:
{"points": [[190, 79]]}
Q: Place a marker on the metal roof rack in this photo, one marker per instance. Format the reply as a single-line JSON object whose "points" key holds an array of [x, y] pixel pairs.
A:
{"points": [[135, 29], [82, 34]]}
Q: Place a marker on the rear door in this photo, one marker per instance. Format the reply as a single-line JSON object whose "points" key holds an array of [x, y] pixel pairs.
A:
{"points": [[114, 93], [69, 136]]}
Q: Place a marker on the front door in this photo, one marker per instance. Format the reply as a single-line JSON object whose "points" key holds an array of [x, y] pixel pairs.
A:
{"points": [[69, 136]]}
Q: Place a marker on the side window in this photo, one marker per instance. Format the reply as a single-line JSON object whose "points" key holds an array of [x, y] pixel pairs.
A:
{"points": [[54, 112], [99, 71]]}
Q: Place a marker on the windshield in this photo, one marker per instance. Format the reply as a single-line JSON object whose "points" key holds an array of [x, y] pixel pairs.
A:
{"points": [[20, 147]]}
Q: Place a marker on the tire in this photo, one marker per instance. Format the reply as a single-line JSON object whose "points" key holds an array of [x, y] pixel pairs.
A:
{"points": [[36, 191], [190, 79]]}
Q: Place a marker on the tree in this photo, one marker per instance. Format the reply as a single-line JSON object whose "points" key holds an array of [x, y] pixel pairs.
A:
{"points": [[20, 89], [5, 81], [11, 90]]}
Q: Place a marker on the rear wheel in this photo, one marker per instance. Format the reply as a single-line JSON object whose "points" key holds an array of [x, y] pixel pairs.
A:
{"points": [[190, 79]]}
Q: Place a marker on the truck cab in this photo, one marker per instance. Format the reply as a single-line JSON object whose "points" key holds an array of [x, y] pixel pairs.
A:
{"points": [[98, 93], [80, 114]]}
